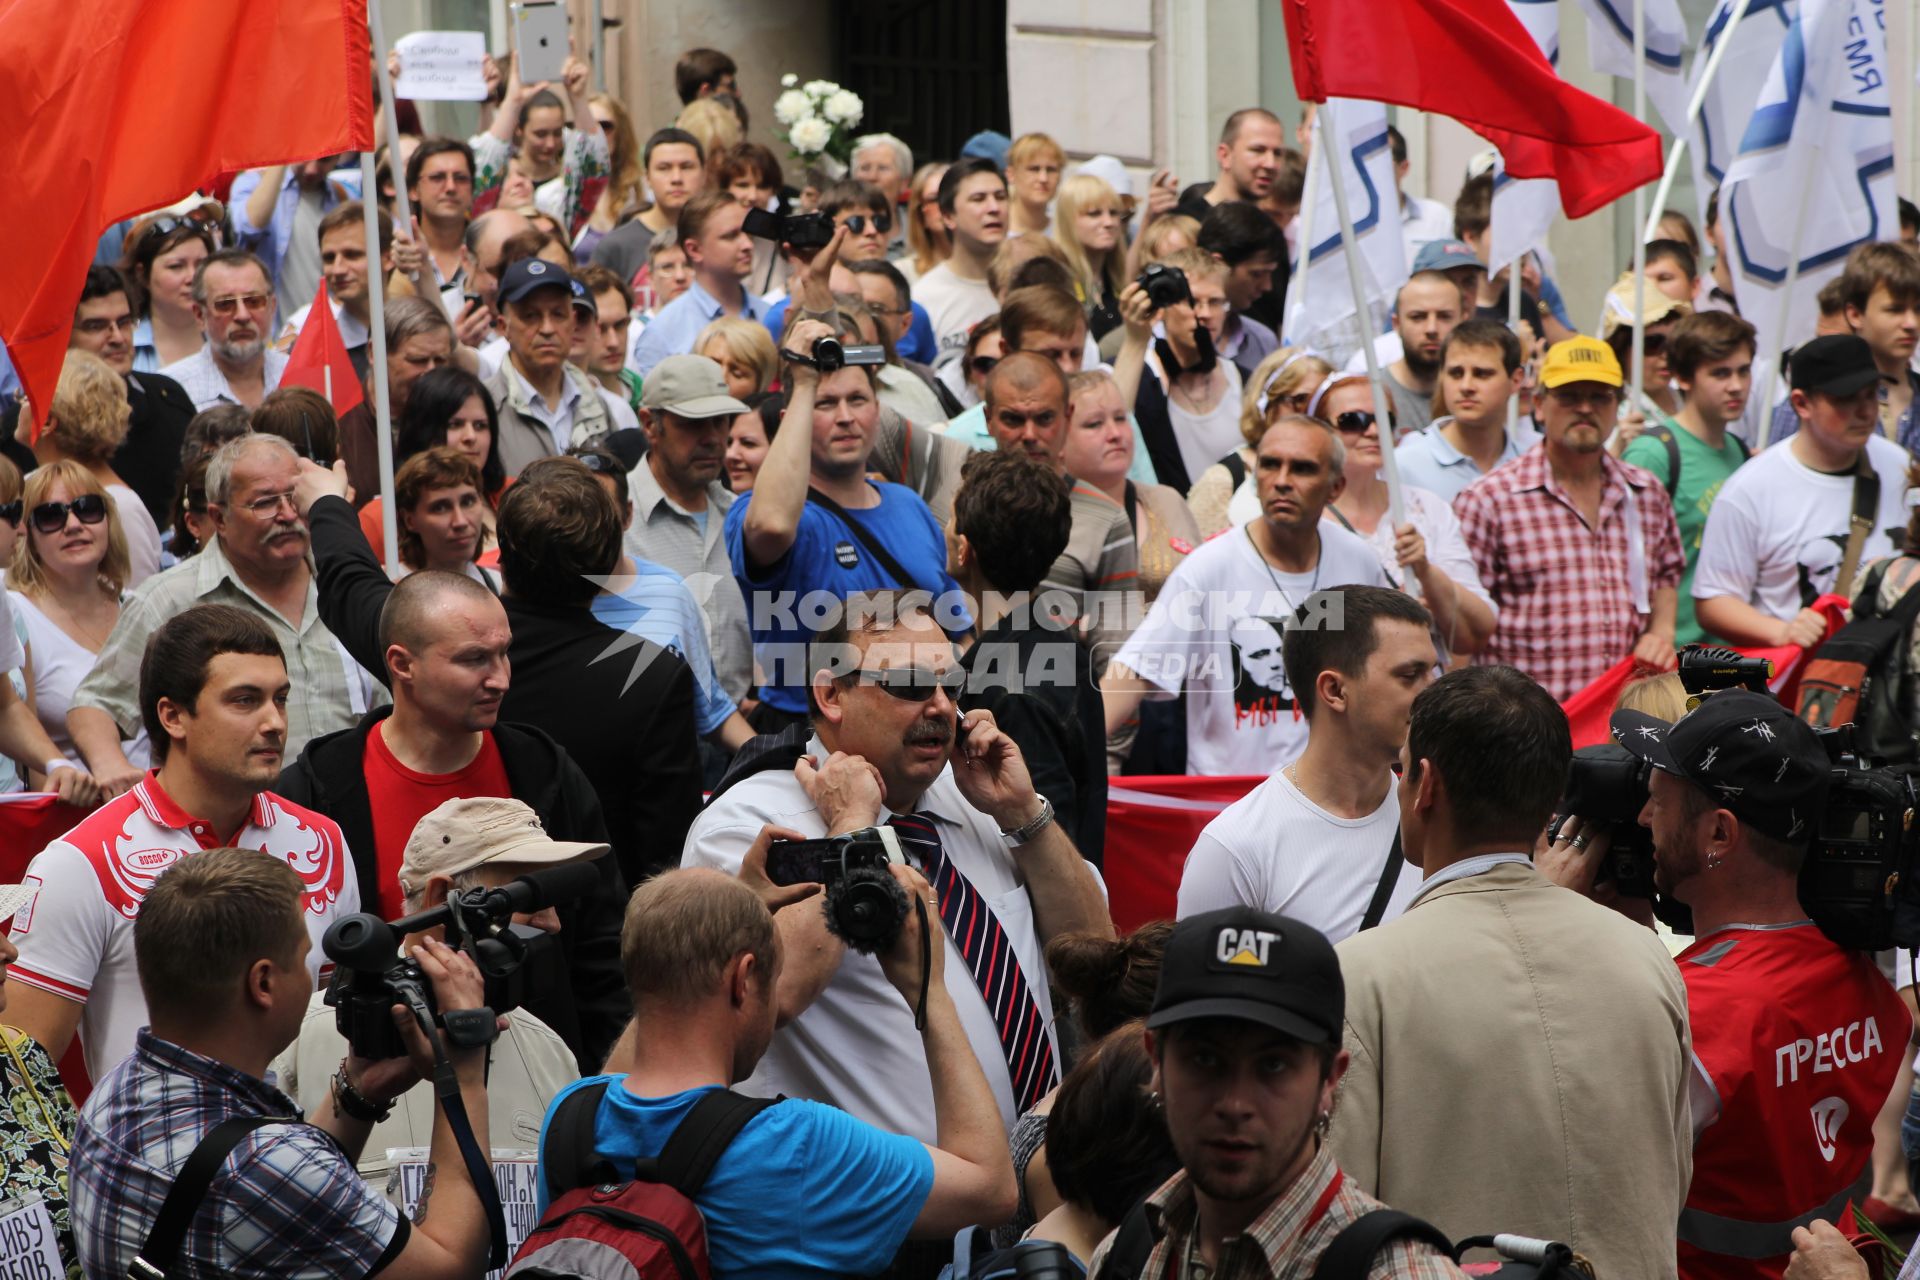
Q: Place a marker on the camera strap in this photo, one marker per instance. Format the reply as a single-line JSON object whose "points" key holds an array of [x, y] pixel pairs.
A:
{"points": [[867, 540], [1866, 503], [446, 1087], [1382, 892]]}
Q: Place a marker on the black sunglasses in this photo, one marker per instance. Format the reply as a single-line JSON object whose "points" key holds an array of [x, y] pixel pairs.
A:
{"points": [[983, 365], [1355, 421], [51, 517], [10, 511], [598, 463], [915, 684], [882, 222]]}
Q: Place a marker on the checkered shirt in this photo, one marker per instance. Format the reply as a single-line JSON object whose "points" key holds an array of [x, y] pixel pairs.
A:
{"points": [[287, 1203], [1566, 604]]}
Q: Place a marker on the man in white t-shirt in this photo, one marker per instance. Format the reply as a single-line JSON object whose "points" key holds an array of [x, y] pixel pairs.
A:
{"points": [[1215, 628], [213, 696], [973, 204], [1319, 840], [1777, 536]]}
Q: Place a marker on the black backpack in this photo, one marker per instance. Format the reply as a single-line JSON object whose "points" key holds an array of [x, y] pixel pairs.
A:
{"points": [[1859, 676], [1665, 436]]}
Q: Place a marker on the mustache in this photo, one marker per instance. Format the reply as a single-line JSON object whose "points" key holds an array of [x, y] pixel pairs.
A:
{"points": [[932, 733]]}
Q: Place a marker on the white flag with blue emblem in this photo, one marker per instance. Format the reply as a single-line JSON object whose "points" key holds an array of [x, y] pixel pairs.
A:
{"points": [[1814, 175], [1728, 104], [1320, 309], [1524, 208], [1610, 47]]}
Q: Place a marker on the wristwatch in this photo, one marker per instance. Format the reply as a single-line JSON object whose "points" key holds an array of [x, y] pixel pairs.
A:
{"points": [[1027, 831], [353, 1104]]}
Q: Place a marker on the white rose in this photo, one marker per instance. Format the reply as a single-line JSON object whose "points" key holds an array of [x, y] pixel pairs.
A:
{"points": [[809, 136], [844, 108], [792, 107], [819, 88], [789, 80]]}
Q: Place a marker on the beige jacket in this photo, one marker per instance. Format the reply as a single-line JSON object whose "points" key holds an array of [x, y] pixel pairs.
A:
{"points": [[1520, 1059]]}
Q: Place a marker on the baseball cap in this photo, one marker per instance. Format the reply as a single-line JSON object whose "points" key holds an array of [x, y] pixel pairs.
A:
{"points": [[528, 274], [1618, 313], [1111, 171], [1839, 364], [1756, 758], [1446, 255], [689, 387], [463, 834], [1580, 359], [988, 144], [1255, 966]]}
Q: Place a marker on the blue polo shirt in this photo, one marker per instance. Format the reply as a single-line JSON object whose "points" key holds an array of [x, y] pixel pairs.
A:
{"points": [[1427, 461], [787, 602], [804, 1190], [657, 605]]}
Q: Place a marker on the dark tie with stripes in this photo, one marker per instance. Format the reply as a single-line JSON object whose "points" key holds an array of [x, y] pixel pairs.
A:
{"points": [[990, 958]]}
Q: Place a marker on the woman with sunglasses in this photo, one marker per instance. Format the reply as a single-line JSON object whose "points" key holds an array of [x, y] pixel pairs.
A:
{"points": [[161, 256], [1224, 496], [966, 378], [626, 188], [1661, 402], [1426, 557], [451, 407], [67, 576], [87, 424]]}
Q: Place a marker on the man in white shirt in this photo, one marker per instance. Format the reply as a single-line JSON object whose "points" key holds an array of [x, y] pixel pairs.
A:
{"points": [[1215, 628], [973, 203], [1320, 840], [1778, 536], [1479, 364], [233, 299]]}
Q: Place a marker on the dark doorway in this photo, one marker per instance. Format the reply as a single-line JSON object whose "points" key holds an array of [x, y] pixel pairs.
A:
{"points": [[933, 72]]}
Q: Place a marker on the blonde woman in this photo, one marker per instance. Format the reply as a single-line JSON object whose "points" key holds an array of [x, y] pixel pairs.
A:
{"points": [[1282, 383], [716, 126], [1034, 165], [928, 241], [744, 351], [1089, 219], [68, 571], [626, 187], [1099, 452], [87, 423]]}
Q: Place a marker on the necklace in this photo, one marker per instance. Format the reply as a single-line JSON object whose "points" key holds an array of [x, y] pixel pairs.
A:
{"points": [[1312, 586]]}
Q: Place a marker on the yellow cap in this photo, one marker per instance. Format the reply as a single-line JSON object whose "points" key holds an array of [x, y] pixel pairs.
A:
{"points": [[1580, 359]]}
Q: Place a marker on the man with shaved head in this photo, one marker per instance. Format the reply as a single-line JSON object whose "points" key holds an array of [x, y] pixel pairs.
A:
{"points": [[1029, 411], [444, 639]]}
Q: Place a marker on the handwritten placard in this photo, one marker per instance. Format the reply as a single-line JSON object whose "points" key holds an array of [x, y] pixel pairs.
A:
{"points": [[515, 1172], [442, 66]]}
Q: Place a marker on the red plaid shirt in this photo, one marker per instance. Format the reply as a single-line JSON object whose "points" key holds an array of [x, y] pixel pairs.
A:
{"points": [[1565, 595]]}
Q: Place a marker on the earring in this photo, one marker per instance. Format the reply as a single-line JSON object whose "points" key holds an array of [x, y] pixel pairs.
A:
{"points": [[1713, 861], [1324, 1123]]}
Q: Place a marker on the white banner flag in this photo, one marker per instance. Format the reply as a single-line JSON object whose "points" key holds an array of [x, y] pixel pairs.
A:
{"points": [[1524, 208], [1610, 48], [1320, 310], [1814, 173], [1728, 104], [1541, 18]]}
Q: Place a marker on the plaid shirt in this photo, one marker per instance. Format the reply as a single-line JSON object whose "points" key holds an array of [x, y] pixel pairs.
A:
{"points": [[1564, 589], [1285, 1242], [287, 1203]]}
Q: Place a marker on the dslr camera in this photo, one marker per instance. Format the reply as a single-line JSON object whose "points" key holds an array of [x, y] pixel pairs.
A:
{"points": [[864, 904], [1165, 286], [806, 232], [516, 960]]}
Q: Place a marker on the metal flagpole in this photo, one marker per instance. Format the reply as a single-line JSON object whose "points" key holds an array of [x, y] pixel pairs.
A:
{"points": [[370, 195], [1639, 204], [377, 345], [1513, 326], [1695, 106], [599, 45], [1382, 407]]}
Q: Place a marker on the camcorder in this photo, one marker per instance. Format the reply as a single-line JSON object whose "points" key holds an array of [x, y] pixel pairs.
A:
{"points": [[807, 232], [865, 906], [516, 960], [830, 355], [1165, 286], [1853, 883]]}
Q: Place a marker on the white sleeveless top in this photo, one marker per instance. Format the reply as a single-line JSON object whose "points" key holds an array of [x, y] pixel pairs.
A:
{"points": [[60, 663]]}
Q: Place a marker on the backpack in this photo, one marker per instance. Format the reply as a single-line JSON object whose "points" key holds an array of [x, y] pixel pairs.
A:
{"points": [[1665, 436], [599, 1228], [1858, 675]]}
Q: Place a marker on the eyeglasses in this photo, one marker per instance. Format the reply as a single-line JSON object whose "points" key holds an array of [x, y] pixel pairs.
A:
{"points": [[1355, 422], [268, 507], [983, 365], [915, 684], [10, 511], [51, 517], [882, 222], [1574, 398], [598, 463], [100, 324], [251, 301]]}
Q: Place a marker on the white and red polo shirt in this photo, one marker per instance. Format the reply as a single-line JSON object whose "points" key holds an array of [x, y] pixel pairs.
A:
{"points": [[76, 936]]}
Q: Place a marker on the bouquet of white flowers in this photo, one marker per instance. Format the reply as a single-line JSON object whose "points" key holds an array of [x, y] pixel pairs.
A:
{"points": [[819, 117]]}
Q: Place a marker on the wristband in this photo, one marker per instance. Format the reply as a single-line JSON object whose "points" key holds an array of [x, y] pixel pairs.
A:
{"points": [[58, 762], [352, 1103]]}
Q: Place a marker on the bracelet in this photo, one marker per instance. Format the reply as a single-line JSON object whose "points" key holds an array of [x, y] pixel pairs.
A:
{"points": [[352, 1103], [1033, 827]]}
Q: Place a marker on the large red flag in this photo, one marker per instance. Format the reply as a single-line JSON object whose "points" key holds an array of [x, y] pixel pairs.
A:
{"points": [[117, 107], [319, 358], [1472, 60]]}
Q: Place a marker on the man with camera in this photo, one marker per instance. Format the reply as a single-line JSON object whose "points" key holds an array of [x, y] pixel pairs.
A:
{"points": [[1796, 1039], [1503, 1028], [223, 952], [463, 845]]}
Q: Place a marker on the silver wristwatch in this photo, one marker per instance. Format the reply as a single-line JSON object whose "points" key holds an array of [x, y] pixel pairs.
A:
{"points": [[1022, 834]]}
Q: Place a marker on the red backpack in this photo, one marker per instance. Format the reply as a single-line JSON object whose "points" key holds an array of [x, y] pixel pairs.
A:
{"points": [[648, 1228]]}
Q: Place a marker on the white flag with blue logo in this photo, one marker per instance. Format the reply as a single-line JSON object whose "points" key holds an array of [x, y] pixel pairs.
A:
{"points": [[1735, 87], [1524, 208], [1814, 175], [1610, 47], [1320, 310]]}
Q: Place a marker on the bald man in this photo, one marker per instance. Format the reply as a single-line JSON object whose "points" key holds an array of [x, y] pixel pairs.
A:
{"points": [[444, 638], [1029, 410]]}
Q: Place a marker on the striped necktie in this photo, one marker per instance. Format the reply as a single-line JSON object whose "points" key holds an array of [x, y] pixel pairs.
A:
{"points": [[984, 945]]}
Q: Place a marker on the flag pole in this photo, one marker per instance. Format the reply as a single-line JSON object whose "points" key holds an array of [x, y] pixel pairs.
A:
{"points": [[1695, 106], [1778, 338], [1382, 408], [1513, 326], [377, 347], [1639, 206], [1309, 197], [403, 212]]}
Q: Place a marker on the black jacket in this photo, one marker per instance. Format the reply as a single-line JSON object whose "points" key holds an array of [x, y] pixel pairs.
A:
{"points": [[149, 459], [621, 706], [592, 1009]]}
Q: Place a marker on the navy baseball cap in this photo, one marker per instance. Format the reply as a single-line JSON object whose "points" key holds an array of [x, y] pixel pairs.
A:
{"points": [[528, 274], [1446, 255], [1254, 966]]}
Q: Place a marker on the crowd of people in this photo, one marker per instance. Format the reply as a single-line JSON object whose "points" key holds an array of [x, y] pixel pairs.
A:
{"points": [[810, 594]]}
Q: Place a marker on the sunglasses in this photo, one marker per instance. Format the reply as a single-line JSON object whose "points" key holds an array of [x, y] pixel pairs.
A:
{"points": [[10, 511], [51, 517], [983, 365], [252, 302], [915, 684], [882, 223], [1355, 422], [598, 463]]}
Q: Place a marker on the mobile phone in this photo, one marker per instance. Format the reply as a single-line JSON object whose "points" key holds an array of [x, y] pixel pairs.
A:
{"points": [[540, 38]]}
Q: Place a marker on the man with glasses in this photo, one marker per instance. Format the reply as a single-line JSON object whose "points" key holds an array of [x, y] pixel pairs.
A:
{"points": [[440, 191], [1580, 550], [234, 300], [258, 561]]}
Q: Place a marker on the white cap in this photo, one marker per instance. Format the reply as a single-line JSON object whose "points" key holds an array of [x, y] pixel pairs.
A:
{"points": [[1109, 168]]}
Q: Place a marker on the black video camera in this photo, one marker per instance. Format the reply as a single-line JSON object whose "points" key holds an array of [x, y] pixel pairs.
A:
{"points": [[1165, 286], [515, 960], [864, 904], [807, 232], [1854, 882], [830, 355]]}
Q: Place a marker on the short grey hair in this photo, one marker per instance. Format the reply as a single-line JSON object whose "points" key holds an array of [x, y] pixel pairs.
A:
{"points": [[902, 153], [228, 455], [409, 317], [412, 895], [1338, 459]]}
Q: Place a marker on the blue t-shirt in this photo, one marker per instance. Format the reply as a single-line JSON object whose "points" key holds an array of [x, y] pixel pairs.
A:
{"points": [[827, 563], [805, 1190], [918, 345], [658, 606]]}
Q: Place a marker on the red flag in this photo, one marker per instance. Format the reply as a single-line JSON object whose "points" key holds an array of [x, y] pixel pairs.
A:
{"points": [[1472, 60], [133, 104], [319, 358]]}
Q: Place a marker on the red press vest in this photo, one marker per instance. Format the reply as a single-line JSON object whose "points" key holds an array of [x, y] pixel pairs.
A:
{"points": [[1802, 1040]]}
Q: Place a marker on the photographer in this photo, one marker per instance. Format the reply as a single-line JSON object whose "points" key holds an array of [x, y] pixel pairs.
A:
{"points": [[1796, 1040], [222, 954], [479, 843]]}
